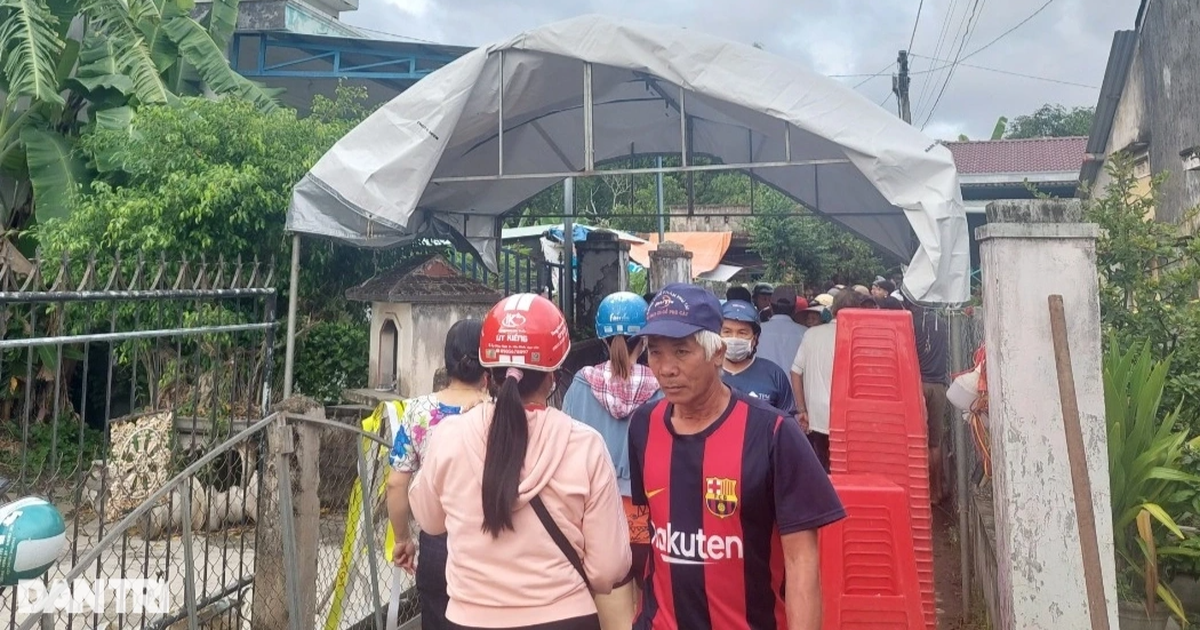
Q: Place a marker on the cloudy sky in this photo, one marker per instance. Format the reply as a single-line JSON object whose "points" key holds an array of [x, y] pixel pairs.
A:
{"points": [[1067, 41]]}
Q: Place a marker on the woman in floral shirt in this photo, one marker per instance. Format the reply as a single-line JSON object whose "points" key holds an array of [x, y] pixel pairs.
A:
{"points": [[467, 388]]}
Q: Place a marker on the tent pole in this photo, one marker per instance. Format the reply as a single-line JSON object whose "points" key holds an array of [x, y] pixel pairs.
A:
{"points": [[289, 360], [750, 173], [500, 121], [787, 142], [589, 151], [568, 284], [661, 209], [691, 177], [683, 135]]}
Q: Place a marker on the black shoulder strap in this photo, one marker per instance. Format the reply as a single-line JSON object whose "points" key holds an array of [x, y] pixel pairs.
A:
{"points": [[560, 539]]}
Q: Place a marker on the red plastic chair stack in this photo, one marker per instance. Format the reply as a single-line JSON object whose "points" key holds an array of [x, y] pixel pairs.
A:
{"points": [[868, 568], [877, 420]]}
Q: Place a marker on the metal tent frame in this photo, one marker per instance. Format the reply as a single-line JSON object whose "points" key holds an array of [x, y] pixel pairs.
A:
{"points": [[375, 230], [687, 166]]}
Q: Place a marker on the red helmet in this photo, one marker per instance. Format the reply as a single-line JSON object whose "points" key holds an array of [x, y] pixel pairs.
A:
{"points": [[525, 331]]}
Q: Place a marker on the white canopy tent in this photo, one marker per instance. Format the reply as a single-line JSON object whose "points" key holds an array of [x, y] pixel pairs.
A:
{"points": [[474, 139]]}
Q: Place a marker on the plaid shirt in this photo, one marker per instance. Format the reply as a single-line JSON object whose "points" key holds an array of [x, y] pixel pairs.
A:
{"points": [[619, 397]]}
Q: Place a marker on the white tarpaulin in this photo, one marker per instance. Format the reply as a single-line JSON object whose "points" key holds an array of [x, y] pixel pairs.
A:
{"points": [[427, 163]]}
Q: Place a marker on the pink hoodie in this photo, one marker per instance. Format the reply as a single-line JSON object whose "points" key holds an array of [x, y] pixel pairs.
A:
{"points": [[522, 578]]}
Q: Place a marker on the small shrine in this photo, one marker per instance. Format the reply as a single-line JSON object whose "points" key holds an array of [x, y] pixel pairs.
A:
{"points": [[413, 306]]}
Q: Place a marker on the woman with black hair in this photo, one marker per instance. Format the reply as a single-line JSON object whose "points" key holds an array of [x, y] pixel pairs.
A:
{"points": [[468, 386], [527, 495]]}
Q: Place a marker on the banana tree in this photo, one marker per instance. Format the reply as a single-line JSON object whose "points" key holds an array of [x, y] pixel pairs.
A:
{"points": [[68, 64]]}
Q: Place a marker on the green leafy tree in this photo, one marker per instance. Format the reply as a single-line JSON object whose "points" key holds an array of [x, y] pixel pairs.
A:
{"points": [[1149, 271], [799, 247], [796, 245], [1051, 121], [213, 178], [68, 66], [616, 201]]}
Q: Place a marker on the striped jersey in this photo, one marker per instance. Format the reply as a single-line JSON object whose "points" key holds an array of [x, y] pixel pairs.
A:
{"points": [[719, 501]]}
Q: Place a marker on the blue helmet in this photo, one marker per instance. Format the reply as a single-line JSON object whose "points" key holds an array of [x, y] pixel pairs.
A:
{"points": [[621, 313], [739, 311]]}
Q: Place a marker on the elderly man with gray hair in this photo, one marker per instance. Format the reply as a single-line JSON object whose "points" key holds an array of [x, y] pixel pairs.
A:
{"points": [[732, 486]]}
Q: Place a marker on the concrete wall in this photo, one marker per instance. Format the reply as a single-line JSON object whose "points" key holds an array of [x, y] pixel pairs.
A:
{"points": [[1130, 123], [709, 219], [1169, 57], [1040, 573], [422, 337]]}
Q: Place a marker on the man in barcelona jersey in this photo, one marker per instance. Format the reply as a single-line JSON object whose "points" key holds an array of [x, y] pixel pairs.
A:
{"points": [[735, 493]]}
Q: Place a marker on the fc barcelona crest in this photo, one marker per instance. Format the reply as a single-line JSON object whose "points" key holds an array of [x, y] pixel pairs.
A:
{"points": [[720, 496]]}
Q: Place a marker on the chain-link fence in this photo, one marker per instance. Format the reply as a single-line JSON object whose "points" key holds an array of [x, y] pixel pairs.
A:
{"points": [[354, 580]]}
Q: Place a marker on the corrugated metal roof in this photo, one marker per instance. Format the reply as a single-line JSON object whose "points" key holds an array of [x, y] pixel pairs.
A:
{"points": [[1120, 58], [1033, 155]]}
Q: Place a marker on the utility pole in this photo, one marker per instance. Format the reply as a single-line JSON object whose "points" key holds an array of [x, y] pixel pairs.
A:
{"points": [[900, 87]]}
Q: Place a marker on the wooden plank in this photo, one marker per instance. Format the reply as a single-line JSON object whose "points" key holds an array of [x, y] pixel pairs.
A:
{"points": [[1085, 511]]}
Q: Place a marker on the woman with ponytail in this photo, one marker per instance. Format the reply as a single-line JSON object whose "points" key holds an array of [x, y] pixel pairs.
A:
{"points": [[603, 397], [527, 495], [468, 387]]}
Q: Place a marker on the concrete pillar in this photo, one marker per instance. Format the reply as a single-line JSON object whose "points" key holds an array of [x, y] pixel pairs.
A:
{"points": [[296, 445], [1029, 250], [669, 263], [603, 270]]}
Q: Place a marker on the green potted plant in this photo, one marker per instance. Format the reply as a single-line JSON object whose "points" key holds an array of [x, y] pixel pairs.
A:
{"points": [[1144, 454]]}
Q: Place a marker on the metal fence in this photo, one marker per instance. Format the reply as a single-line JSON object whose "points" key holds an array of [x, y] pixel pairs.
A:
{"points": [[353, 580], [518, 273], [966, 337], [125, 382]]}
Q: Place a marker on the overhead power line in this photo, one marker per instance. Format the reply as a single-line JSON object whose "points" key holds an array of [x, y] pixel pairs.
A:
{"points": [[999, 71], [937, 50], [913, 38], [1009, 31], [860, 75], [957, 58], [883, 72]]}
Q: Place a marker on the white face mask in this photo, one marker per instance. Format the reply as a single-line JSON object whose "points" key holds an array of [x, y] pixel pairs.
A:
{"points": [[737, 349]]}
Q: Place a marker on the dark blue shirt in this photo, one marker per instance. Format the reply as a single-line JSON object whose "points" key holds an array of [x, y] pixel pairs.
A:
{"points": [[767, 382]]}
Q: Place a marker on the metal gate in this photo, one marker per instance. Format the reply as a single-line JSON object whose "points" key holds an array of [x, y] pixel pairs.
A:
{"points": [[133, 396]]}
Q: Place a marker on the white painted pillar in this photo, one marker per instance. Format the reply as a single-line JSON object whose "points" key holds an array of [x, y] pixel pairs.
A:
{"points": [[1029, 250], [669, 263]]}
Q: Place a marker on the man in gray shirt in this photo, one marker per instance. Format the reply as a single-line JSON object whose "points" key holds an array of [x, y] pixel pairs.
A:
{"points": [[781, 336]]}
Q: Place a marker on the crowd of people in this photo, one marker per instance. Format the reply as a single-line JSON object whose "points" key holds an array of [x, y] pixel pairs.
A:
{"points": [[799, 332], [685, 492]]}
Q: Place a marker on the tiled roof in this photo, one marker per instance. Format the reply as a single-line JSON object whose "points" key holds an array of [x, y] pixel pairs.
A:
{"points": [[427, 280], [1036, 155]]}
